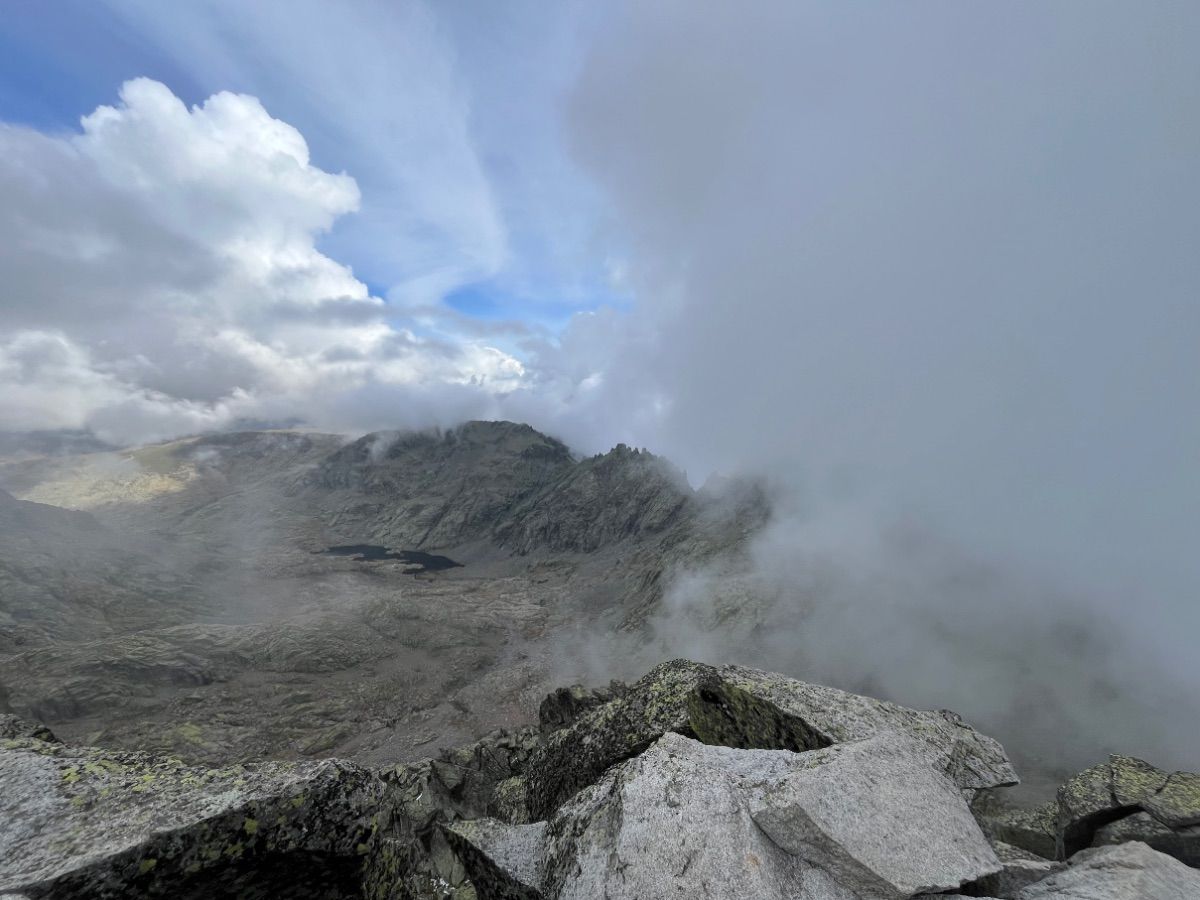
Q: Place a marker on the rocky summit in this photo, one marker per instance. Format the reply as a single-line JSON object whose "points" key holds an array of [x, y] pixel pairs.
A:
{"points": [[694, 781]]}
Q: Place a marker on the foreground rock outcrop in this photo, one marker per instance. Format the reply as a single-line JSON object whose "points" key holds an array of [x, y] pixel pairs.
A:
{"points": [[867, 818], [738, 707], [695, 781], [1129, 872], [1116, 802], [82, 822]]}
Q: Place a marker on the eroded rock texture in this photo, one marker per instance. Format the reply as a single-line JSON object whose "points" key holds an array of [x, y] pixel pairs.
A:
{"points": [[695, 781], [1167, 806], [86, 823]]}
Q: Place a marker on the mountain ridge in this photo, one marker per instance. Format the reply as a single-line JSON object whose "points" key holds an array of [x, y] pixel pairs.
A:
{"points": [[548, 544]]}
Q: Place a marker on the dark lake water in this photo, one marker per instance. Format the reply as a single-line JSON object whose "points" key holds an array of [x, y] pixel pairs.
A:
{"points": [[428, 562]]}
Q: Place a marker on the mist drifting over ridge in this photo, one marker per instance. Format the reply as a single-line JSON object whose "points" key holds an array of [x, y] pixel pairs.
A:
{"points": [[930, 272]]}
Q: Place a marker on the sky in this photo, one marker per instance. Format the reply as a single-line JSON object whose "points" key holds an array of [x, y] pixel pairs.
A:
{"points": [[925, 263]]}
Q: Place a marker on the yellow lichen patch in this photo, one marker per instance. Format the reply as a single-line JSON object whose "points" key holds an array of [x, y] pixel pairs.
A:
{"points": [[147, 865], [250, 826]]}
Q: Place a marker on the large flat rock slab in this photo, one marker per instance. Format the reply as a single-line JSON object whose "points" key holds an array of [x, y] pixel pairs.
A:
{"points": [[875, 818], [86, 823], [879, 815]]}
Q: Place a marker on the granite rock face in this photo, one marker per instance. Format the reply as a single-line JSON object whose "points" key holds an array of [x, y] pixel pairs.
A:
{"points": [[1033, 830], [1123, 787], [739, 707], [501, 860], [1126, 872], [651, 790], [564, 705], [880, 815], [873, 818], [1181, 843], [1018, 869], [85, 823]]}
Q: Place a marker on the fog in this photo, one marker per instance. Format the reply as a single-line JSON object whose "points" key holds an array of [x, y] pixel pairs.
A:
{"points": [[932, 269], [928, 272]]}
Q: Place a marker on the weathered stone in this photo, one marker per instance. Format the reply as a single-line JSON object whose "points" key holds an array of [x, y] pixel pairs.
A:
{"points": [[1033, 829], [508, 802], [1177, 804], [564, 705], [973, 760], [575, 757], [879, 816], [1116, 789], [503, 861], [745, 708], [12, 727], [1133, 781], [1126, 872], [1181, 843], [84, 823], [1018, 869], [472, 782], [873, 818], [1085, 802], [666, 824]]}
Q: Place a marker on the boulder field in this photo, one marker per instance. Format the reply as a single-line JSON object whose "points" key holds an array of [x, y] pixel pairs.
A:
{"points": [[694, 782]]}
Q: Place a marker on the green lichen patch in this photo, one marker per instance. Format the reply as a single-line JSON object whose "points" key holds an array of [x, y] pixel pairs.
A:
{"points": [[1134, 781], [1177, 805]]}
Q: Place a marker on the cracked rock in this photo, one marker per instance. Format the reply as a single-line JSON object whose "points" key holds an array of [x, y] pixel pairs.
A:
{"points": [[1121, 787], [1128, 872], [873, 818]]}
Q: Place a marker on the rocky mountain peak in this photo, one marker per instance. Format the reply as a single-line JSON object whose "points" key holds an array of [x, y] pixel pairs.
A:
{"points": [[502, 482]]}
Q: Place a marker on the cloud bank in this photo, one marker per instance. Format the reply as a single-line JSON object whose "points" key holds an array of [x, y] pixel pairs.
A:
{"points": [[162, 276], [932, 269]]}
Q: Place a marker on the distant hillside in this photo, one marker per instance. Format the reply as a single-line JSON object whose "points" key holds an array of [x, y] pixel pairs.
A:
{"points": [[189, 602]]}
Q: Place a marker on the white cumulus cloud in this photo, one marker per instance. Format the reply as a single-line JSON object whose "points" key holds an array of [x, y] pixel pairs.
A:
{"points": [[162, 274]]}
